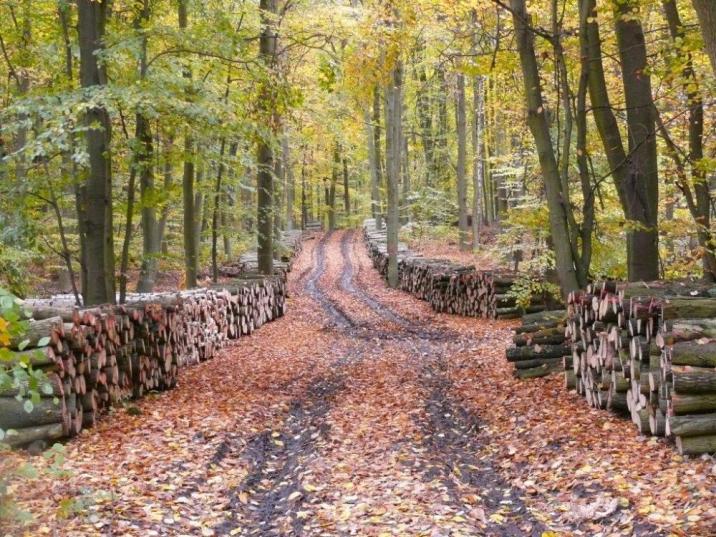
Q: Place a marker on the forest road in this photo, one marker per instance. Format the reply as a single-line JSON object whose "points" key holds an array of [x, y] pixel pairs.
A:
{"points": [[363, 412], [341, 470]]}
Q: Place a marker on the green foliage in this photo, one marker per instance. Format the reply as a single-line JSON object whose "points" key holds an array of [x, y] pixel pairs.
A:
{"points": [[30, 384]]}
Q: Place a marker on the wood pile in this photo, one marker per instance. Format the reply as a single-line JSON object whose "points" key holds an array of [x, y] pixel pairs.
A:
{"points": [[539, 344], [313, 226], [647, 351], [450, 287], [97, 358], [286, 247]]}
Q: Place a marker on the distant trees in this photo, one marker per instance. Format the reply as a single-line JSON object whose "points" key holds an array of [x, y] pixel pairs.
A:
{"points": [[173, 128]]}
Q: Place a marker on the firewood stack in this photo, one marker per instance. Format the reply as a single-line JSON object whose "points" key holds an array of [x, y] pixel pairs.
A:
{"points": [[645, 350], [540, 346], [287, 246], [450, 287], [98, 357], [687, 375]]}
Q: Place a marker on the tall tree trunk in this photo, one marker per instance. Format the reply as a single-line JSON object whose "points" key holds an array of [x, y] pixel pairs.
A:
{"points": [[229, 203], [128, 229], [706, 11], [201, 212], [331, 200], [405, 175], [537, 121], [378, 158], [585, 177], [96, 204], [699, 202], [346, 189], [442, 157], [564, 159], [69, 166], [461, 122], [374, 165], [289, 182], [151, 244], [304, 194], [393, 109], [642, 189], [478, 156], [168, 181], [215, 216], [627, 178], [265, 157], [425, 121], [278, 196], [191, 258]]}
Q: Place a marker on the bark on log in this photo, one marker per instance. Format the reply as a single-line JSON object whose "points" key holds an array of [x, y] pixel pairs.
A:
{"points": [[696, 445], [692, 425]]}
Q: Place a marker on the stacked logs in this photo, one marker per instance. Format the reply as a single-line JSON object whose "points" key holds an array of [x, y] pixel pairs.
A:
{"points": [[539, 344], [288, 245], [99, 357], [644, 350], [450, 287], [687, 374]]}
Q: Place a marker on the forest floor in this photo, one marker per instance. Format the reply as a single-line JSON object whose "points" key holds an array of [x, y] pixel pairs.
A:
{"points": [[362, 412]]}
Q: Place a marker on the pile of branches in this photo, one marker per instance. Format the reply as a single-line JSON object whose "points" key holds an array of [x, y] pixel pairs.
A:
{"points": [[451, 287], [647, 351], [100, 357]]}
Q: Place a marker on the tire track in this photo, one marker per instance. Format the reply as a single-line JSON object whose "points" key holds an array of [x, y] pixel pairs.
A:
{"points": [[268, 500]]}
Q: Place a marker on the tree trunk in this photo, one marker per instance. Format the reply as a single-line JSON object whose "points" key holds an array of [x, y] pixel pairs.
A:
{"points": [[378, 157], [425, 121], [331, 192], [167, 184], [642, 188], [442, 158], [304, 201], [539, 127], [190, 252], [215, 214], [698, 202], [373, 164], [706, 11], [620, 165], [128, 228], [346, 189], [144, 159], [478, 157], [265, 157], [96, 210], [460, 120], [393, 113], [405, 174], [289, 182]]}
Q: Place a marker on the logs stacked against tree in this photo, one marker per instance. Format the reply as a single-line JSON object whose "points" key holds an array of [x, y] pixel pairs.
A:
{"points": [[96, 358], [643, 350], [450, 287], [540, 346]]}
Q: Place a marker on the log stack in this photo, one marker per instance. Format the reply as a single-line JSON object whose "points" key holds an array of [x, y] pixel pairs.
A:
{"points": [[539, 345], [286, 249], [644, 350], [97, 358], [451, 287]]}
